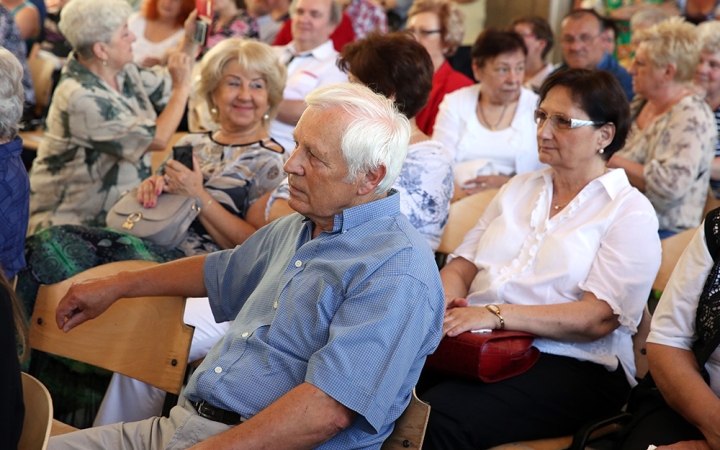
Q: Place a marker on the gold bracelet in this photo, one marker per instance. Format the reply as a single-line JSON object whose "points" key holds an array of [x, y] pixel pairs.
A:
{"points": [[496, 310]]}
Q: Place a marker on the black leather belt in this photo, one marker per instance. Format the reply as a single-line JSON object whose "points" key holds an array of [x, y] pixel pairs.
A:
{"points": [[210, 412]]}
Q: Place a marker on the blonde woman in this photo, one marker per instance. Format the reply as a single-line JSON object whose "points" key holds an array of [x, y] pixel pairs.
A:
{"points": [[672, 139]]}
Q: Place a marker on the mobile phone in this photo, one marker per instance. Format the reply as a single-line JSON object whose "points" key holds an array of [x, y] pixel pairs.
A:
{"points": [[183, 154], [201, 31], [204, 19]]}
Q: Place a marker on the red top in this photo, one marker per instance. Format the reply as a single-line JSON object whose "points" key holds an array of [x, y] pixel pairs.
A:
{"points": [[445, 81], [342, 35]]}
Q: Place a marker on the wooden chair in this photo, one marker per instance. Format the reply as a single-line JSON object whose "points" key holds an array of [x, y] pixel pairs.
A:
{"points": [[672, 248], [41, 71], [38, 415], [144, 338], [710, 203], [464, 214], [409, 430]]}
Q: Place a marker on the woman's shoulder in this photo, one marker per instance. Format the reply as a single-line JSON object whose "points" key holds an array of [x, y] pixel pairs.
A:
{"points": [[464, 94], [625, 195], [528, 99], [429, 152]]}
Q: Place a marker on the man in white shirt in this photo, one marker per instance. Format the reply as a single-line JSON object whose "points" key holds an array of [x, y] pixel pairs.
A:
{"points": [[269, 16], [310, 59]]}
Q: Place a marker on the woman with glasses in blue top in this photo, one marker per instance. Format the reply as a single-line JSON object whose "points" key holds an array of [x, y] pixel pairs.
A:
{"points": [[568, 254]]}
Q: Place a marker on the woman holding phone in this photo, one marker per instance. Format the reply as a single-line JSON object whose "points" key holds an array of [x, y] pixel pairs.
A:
{"points": [[242, 81]]}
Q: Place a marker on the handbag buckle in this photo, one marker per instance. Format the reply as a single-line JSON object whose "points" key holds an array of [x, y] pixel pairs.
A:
{"points": [[131, 220]]}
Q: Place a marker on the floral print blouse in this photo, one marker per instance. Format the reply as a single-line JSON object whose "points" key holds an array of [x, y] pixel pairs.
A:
{"points": [[94, 147], [240, 26], [676, 150]]}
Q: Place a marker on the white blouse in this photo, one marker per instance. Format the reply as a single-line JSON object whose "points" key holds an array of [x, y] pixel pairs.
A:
{"points": [[512, 150], [142, 48], [604, 241], [673, 322]]}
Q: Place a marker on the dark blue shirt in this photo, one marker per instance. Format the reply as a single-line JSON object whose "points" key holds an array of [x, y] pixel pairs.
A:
{"points": [[610, 64], [14, 207]]}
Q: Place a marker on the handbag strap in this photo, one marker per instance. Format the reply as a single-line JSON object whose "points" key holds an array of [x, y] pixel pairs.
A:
{"points": [[707, 318]]}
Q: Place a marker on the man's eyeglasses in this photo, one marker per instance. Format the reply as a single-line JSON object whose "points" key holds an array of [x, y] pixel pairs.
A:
{"points": [[422, 32], [583, 39], [561, 122]]}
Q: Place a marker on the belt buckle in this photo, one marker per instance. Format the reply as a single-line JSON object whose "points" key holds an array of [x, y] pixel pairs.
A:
{"points": [[207, 411]]}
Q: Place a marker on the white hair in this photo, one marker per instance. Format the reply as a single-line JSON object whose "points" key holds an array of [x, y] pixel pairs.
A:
{"points": [[85, 22], [377, 136], [12, 94], [710, 36]]}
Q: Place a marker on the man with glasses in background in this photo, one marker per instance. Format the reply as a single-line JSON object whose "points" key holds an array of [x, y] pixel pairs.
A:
{"points": [[581, 40]]}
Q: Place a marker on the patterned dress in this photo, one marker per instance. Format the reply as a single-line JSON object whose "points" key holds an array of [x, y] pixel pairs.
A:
{"points": [[95, 144], [676, 150], [10, 39]]}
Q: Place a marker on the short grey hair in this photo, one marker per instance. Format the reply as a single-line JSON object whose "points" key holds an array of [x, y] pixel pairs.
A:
{"points": [[12, 95], [647, 17], [85, 22], [377, 136], [673, 41], [709, 33], [335, 11]]}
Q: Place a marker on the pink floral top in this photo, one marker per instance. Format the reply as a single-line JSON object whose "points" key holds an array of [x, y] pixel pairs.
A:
{"points": [[240, 26]]}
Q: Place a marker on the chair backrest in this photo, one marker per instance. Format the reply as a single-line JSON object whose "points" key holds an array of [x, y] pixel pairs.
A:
{"points": [[710, 203], [672, 248], [409, 431], [156, 158], [38, 415], [144, 338], [41, 71], [464, 214]]}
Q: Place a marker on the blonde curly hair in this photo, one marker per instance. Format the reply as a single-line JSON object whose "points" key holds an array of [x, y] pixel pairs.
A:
{"points": [[673, 41]]}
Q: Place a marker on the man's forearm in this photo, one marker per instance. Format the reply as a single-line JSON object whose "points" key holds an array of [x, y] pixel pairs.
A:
{"points": [[303, 418], [290, 111], [183, 277]]}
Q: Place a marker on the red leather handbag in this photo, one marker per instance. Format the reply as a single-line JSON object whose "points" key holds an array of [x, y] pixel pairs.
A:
{"points": [[491, 357]]}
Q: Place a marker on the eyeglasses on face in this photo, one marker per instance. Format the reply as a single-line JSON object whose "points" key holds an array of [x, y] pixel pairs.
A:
{"points": [[561, 122], [583, 39], [422, 32]]}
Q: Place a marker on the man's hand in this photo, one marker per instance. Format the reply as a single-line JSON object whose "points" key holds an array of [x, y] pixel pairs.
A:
{"points": [[86, 300]]}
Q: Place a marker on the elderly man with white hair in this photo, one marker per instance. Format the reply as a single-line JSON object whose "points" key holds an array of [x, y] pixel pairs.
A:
{"points": [[334, 308]]}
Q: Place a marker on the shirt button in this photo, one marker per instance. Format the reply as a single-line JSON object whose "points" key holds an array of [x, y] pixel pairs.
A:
{"points": [[298, 263], [275, 305], [218, 369], [246, 334]]}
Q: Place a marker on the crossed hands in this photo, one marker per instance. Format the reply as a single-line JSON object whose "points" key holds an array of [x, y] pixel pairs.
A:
{"points": [[178, 179], [459, 318]]}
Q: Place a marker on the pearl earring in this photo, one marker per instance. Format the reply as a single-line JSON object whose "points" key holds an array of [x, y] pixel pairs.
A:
{"points": [[213, 110], [601, 151], [266, 116], [104, 63]]}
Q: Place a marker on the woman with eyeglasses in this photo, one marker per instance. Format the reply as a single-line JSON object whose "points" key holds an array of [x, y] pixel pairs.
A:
{"points": [[672, 139], [568, 253], [438, 26], [488, 127]]}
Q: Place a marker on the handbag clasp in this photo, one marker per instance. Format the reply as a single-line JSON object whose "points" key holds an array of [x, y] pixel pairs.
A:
{"points": [[131, 220]]}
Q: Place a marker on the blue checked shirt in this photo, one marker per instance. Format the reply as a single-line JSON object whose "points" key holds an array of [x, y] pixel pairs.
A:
{"points": [[353, 312]]}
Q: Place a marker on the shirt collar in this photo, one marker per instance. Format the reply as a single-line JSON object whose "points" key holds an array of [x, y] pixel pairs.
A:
{"points": [[612, 181], [320, 52], [357, 215]]}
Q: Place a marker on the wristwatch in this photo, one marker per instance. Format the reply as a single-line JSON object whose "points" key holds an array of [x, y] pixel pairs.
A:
{"points": [[496, 310]]}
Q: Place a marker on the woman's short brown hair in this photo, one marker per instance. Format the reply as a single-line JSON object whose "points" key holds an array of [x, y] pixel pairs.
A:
{"points": [[407, 80], [451, 20], [493, 42]]}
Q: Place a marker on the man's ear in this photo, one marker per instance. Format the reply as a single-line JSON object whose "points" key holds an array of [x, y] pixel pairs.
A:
{"points": [[370, 180]]}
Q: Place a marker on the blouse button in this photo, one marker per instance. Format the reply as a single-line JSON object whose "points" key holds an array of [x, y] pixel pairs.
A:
{"points": [[298, 263], [218, 369]]}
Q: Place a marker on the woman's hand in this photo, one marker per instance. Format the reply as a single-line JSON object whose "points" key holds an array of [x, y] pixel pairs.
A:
{"points": [[459, 318], [189, 25], [686, 445], [149, 190], [181, 180], [180, 68], [484, 182]]}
